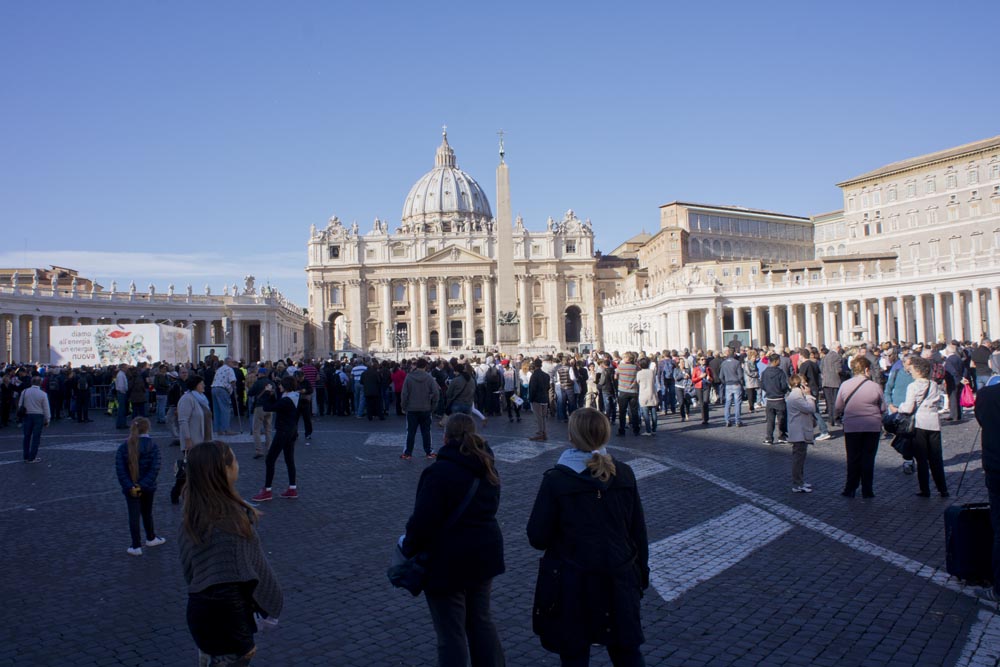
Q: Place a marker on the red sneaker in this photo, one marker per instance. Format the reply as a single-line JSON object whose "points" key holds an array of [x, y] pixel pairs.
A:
{"points": [[432, 455], [405, 457], [262, 496], [290, 493]]}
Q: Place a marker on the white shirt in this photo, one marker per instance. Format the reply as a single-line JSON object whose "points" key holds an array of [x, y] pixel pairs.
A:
{"points": [[224, 377]]}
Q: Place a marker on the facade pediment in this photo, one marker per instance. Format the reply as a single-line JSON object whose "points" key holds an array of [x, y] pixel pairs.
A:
{"points": [[454, 255]]}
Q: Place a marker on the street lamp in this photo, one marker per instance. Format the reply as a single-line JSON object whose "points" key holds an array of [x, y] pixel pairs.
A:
{"points": [[398, 338], [639, 328]]}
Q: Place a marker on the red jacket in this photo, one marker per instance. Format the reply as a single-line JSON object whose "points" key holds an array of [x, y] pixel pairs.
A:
{"points": [[698, 374]]}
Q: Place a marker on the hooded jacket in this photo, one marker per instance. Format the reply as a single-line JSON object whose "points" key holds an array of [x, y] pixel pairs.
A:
{"points": [[596, 561], [420, 392]]}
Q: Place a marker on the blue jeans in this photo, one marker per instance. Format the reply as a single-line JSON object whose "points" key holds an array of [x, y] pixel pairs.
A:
{"points": [[823, 430], [32, 428], [610, 409], [359, 400], [121, 413], [461, 408], [221, 410], [734, 397], [981, 380], [161, 409], [560, 403], [668, 397], [649, 418], [423, 421]]}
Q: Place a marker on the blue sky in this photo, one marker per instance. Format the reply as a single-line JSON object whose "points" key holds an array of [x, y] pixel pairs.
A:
{"points": [[198, 141]]}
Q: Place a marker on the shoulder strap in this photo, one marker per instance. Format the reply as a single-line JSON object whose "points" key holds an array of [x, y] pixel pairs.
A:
{"points": [[460, 510], [851, 395]]}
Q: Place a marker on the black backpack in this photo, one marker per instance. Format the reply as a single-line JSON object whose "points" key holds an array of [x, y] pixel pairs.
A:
{"points": [[492, 377]]}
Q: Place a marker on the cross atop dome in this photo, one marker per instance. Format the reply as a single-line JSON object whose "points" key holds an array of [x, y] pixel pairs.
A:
{"points": [[445, 156]]}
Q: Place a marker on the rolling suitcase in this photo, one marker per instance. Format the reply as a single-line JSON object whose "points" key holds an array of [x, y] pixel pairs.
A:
{"points": [[969, 542]]}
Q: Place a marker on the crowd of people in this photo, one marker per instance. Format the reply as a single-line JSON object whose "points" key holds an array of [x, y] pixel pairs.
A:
{"points": [[804, 393]]}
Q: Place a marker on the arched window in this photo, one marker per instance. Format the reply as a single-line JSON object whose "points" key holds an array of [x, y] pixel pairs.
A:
{"points": [[477, 292], [716, 249], [399, 292], [841, 249], [371, 294], [479, 337], [536, 290], [571, 289], [694, 247], [455, 291], [727, 249], [434, 338]]}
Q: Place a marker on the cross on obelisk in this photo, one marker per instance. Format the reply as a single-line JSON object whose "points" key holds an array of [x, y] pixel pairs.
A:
{"points": [[500, 134]]}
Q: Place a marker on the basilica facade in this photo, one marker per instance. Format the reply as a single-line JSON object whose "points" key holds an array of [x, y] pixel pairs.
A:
{"points": [[432, 283]]}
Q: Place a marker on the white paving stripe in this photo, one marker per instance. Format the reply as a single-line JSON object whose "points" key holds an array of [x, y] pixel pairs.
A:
{"points": [[983, 645], [682, 561], [391, 440], [933, 574], [516, 451], [646, 467], [88, 446]]}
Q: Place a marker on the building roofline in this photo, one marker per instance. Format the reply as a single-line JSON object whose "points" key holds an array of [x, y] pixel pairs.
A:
{"points": [[734, 208], [953, 153]]}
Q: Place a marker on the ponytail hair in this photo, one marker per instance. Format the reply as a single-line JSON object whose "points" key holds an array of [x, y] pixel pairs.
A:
{"points": [[461, 430], [140, 427], [589, 430]]}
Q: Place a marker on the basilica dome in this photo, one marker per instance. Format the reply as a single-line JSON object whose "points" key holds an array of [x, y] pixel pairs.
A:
{"points": [[445, 194]]}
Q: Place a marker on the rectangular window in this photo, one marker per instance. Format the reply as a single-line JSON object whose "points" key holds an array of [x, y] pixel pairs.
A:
{"points": [[336, 295], [892, 194], [864, 200], [932, 216], [536, 250], [931, 185], [333, 252], [399, 250], [951, 181], [911, 190], [570, 247], [973, 176], [914, 251], [974, 209], [995, 171], [877, 198], [477, 249], [952, 213], [850, 203]]}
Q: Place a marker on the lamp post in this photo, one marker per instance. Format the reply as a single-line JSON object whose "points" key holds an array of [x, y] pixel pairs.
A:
{"points": [[398, 338], [638, 329]]}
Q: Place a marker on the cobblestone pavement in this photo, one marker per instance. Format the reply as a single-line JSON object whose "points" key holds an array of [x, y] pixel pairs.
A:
{"points": [[744, 571]]}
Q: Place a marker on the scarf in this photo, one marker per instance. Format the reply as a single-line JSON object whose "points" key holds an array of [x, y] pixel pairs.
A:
{"points": [[576, 460], [202, 400]]}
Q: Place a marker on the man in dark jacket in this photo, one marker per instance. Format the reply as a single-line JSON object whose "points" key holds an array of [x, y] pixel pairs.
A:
{"points": [[371, 385], [775, 384], [538, 396], [731, 376], [715, 365], [988, 415], [419, 397], [830, 367]]}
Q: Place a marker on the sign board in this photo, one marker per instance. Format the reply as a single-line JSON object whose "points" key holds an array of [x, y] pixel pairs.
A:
{"points": [[113, 344], [221, 350], [734, 337]]}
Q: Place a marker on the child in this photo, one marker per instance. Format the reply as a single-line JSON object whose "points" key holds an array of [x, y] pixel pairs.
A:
{"points": [[229, 579], [138, 464], [801, 419]]}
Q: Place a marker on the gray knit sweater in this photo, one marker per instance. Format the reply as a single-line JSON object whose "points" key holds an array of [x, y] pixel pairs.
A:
{"points": [[227, 558]]}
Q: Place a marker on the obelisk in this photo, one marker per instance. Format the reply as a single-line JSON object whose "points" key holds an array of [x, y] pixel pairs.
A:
{"points": [[507, 317]]}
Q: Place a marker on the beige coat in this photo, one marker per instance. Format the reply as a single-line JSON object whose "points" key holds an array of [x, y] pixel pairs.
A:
{"points": [[193, 421]]}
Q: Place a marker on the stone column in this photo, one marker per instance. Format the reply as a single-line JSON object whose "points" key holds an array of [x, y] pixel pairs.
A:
{"points": [[825, 329], [15, 339], [994, 308], [443, 331], [470, 322], [489, 318], [712, 321], [355, 306], [976, 327], [425, 314], [738, 320], [957, 317], [809, 323], [684, 324], [413, 334], [524, 284], [883, 319], [772, 325], [755, 333], [266, 353], [554, 309], [938, 317], [385, 287], [237, 325], [918, 308], [36, 338]]}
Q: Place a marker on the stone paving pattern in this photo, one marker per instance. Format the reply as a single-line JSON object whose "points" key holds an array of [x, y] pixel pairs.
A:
{"points": [[73, 597]]}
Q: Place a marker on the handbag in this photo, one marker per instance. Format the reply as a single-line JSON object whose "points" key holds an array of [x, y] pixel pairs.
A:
{"points": [[903, 423], [967, 399], [411, 573]]}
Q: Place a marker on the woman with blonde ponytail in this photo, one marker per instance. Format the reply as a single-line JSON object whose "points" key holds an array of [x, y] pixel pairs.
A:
{"points": [[138, 463], [589, 521], [454, 523]]}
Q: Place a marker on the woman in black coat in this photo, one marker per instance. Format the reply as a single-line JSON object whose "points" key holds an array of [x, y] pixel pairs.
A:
{"points": [[589, 520], [464, 559]]}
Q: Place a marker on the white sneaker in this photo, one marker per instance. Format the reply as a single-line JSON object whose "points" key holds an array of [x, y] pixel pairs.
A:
{"points": [[823, 436], [908, 467], [802, 489], [155, 542], [807, 485], [137, 551]]}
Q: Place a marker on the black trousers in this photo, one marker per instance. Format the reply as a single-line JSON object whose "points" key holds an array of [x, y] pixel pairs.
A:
{"points": [[830, 396], [776, 410], [83, 405], [465, 627], [752, 397], [861, 450], [628, 404], [927, 452], [373, 406], [511, 407], [141, 506], [321, 401], [705, 399], [305, 411], [282, 442]]}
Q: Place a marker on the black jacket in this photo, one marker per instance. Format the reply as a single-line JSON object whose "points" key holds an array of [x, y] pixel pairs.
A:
{"points": [[774, 382], [538, 387], [286, 412], [988, 416], [809, 369], [596, 561], [472, 550]]}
